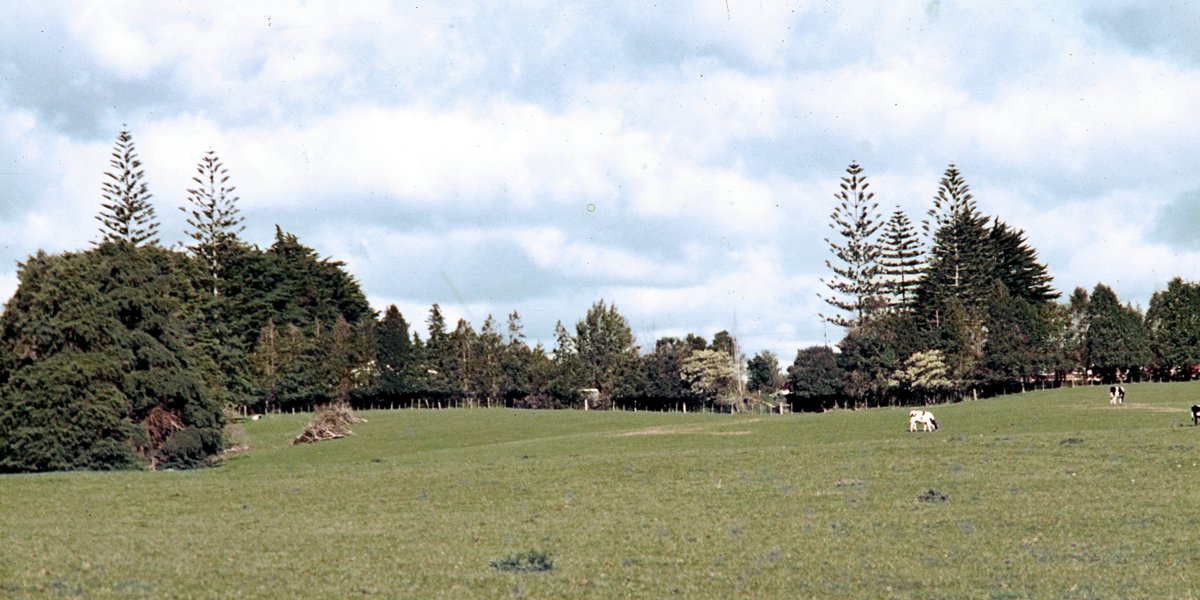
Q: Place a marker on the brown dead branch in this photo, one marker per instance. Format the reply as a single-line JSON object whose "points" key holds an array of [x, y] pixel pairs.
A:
{"points": [[329, 422]]}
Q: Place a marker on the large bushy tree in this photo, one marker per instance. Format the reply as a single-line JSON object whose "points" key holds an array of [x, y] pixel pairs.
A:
{"points": [[661, 371], [1117, 341], [288, 284], [1173, 320], [605, 352], [867, 359], [519, 373], [762, 373], [814, 379], [1018, 343], [922, 378], [99, 369], [710, 377]]}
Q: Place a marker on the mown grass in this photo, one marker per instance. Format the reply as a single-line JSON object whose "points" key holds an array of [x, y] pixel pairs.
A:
{"points": [[1047, 494]]}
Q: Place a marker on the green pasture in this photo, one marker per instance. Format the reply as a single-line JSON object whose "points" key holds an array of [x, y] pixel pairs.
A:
{"points": [[1044, 495]]}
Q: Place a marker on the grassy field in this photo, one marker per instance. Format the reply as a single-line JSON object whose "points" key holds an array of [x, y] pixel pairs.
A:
{"points": [[1045, 495]]}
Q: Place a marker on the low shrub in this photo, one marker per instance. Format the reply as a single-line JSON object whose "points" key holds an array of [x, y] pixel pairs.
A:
{"points": [[533, 561]]}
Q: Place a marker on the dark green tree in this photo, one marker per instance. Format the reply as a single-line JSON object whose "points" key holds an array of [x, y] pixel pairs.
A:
{"points": [[900, 261], [1074, 340], [126, 215], [763, 374], [958, 332], [304, 368], [214, 227], [442, 364], [866, 359], [954, 295], [815, 379], [565, 369], [961, 259], [1173, 320], [723, 342], [350, 355], [518, 375], [1018, 343], [661, 372], [855, 285], [489, 372], [99, 370], [288, 284], [309, 289], [396, 357], [952, 198], [463, 368], [1017, 267], [1117, 343], [542, 374]]}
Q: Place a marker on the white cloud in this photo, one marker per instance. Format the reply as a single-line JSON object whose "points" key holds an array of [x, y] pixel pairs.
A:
{"points": [[678, 159]]}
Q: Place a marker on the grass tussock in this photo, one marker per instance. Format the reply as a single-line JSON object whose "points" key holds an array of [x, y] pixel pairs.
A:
{"points": [[532, 561]]}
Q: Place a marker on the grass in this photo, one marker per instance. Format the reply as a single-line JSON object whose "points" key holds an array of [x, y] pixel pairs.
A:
{"points": [[1047, 494]]}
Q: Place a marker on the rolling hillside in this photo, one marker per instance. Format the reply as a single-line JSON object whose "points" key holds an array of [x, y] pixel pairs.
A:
{"points": [[1047, 494]]}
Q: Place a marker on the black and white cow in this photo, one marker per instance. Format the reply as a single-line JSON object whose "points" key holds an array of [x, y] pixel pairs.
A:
{"points": [[1116, 395], [922, 417]]}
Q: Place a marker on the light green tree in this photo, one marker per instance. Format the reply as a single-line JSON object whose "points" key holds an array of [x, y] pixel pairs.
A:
{"points": [[922, 377], [710, 376]]}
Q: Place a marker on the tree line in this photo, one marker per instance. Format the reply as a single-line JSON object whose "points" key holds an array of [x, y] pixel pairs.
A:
{"points": [[964, 308], [130, 354]]}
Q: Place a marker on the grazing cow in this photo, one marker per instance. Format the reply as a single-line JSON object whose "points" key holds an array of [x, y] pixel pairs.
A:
{"points": [[1195, 414], [1116, 395], [922, 417]]}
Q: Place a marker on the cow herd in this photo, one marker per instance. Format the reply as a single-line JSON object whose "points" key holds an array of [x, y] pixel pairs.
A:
{"points": [[925, 420]]}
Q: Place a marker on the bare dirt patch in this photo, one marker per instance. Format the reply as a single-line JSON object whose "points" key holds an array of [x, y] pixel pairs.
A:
{"points": [[685, 430], [1136, 406]]}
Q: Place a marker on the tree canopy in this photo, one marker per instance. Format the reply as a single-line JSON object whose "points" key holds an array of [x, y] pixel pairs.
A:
{"points": [[99, 367]]}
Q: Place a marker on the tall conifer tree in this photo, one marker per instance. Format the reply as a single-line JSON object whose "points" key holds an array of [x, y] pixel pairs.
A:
{"points": [[213, 218], [855, 285], [1016, 265], [961, 260], [126, 216], [900, 261], [395, 354]]}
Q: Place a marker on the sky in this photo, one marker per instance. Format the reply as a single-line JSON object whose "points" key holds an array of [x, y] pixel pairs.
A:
{"points": [[678, 160]]}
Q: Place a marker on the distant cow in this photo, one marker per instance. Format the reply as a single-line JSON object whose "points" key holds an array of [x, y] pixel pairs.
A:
{"points": [[1116, 395], [922, 417], [1196, 414]]}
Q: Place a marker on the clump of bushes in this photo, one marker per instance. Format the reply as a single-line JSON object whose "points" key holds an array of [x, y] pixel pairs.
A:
{"points": [[933, 497], [329, 422], [533, 561]]}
